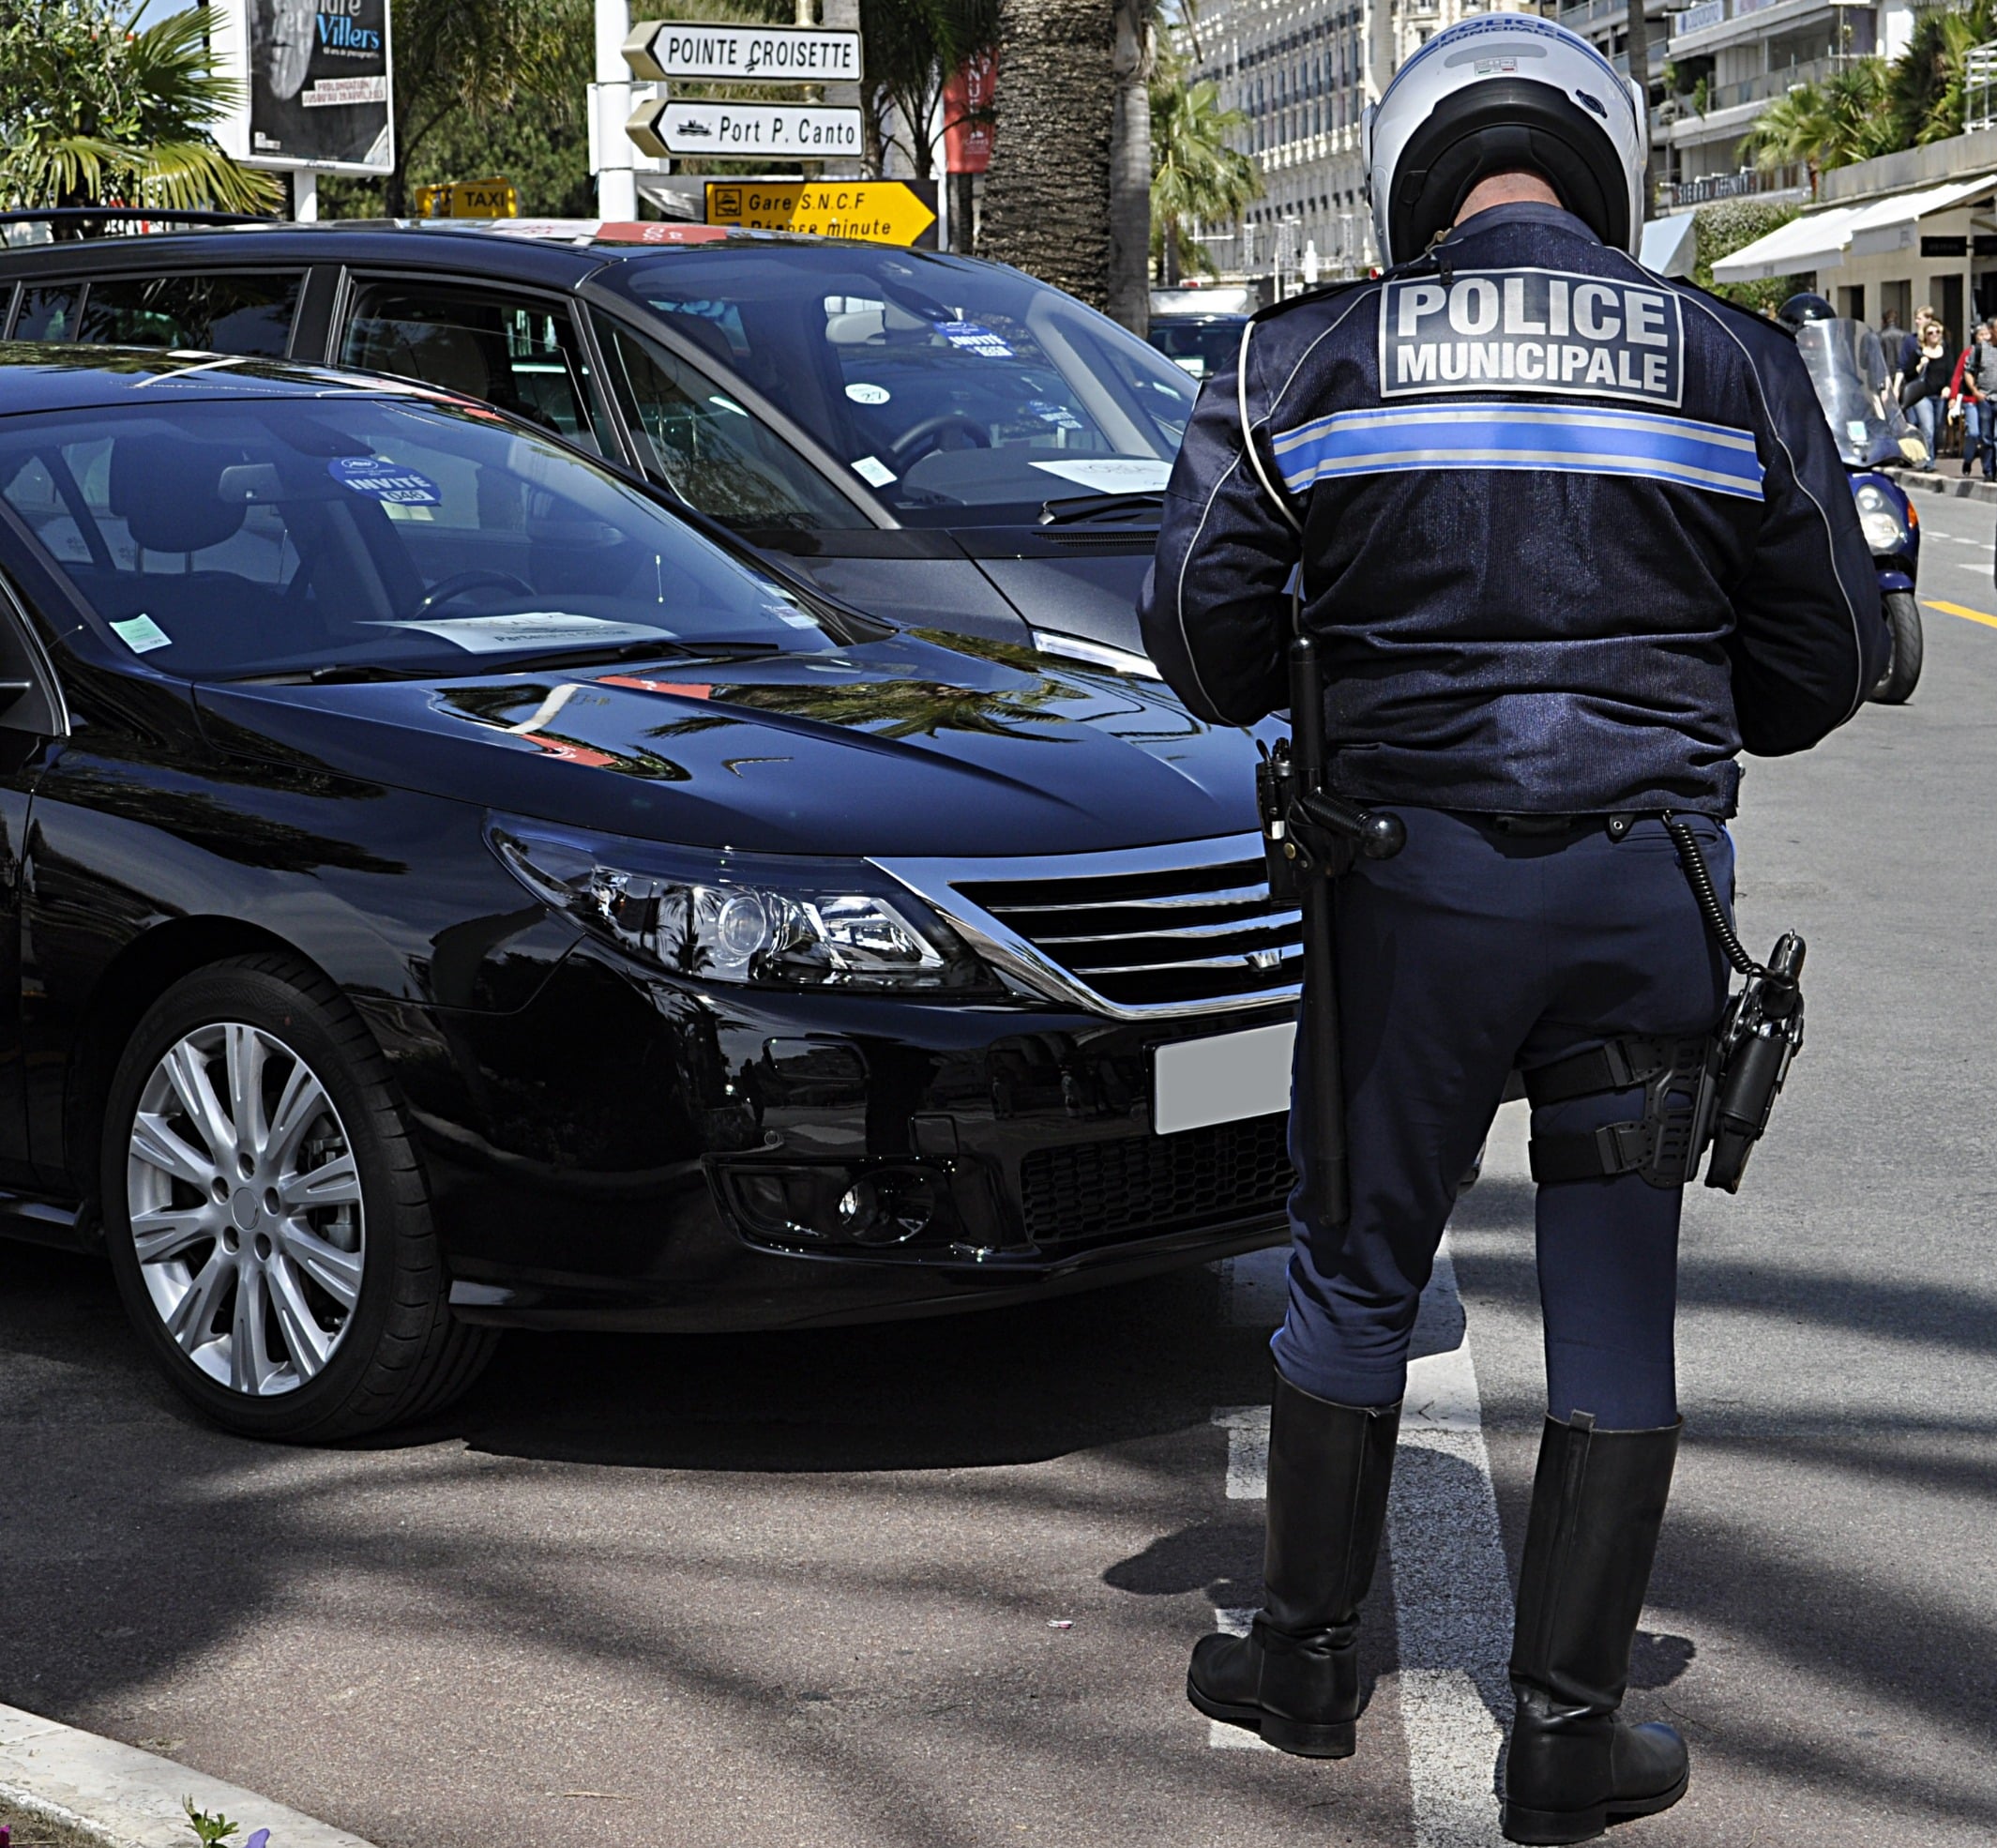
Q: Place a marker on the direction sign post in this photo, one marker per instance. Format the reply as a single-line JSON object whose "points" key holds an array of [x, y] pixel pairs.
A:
{"points": [[804, 131], [660, 49], [878, 211]]}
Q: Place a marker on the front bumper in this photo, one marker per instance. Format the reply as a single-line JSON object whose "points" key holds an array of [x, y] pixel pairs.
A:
{"points": [[586, 1154]]}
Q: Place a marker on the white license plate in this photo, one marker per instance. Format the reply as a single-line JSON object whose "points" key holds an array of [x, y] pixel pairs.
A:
{"points": [[1195, 1082]]}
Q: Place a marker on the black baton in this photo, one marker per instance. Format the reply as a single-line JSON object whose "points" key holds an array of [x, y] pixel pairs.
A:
{"points": [[1310, 838]]}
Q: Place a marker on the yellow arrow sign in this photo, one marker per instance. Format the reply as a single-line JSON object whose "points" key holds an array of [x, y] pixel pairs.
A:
{"points": [[878, 211]]}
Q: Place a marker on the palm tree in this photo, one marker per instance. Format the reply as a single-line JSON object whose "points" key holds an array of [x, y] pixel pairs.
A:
{"points": [[1196, 175], [1831, 124], [1930, 79], [475, 59], [93, 113], [911, 47], [1046, 197], [1139, 23]]}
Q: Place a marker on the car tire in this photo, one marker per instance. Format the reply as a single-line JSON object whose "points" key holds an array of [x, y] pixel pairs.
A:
{"points": [[265, 1214], [1903, 666]]}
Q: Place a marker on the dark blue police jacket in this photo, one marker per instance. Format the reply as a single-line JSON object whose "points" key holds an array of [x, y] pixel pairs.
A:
{"points": [[1571, 535]]}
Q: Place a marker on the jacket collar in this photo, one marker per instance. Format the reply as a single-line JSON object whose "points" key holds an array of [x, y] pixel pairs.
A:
{"points": [[1552, 218]]}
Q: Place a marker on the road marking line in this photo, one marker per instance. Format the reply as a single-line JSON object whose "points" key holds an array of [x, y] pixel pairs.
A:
{"points": [[1247, 1450], [1452, 1598], [1219, 1735], [1967, 615]]}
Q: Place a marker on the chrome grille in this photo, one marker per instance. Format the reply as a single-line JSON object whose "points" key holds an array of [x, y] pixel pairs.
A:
{"points": [[1141, 936]]}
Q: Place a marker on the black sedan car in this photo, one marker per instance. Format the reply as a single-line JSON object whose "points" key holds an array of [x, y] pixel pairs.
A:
{"points": [[447, 888], [932, 437]]}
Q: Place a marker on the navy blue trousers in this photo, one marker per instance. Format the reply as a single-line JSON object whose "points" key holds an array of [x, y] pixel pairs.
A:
{"points": [[1469, 953]]}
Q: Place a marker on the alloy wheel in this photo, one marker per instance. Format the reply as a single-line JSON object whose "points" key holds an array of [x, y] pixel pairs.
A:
{"points": [[246, 1208]]}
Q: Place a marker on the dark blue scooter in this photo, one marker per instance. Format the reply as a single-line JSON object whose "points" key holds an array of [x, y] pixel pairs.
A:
{"points": [[1848, 366]]}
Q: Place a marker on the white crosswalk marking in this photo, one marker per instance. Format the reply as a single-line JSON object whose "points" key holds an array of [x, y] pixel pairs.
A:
{"points": [[1452, 1598], [1219, 1735]]}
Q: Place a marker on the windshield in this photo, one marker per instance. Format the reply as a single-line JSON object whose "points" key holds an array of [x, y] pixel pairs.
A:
{"points": [[1199, 347], [961, 393], [1848, 366], [239, 537]]}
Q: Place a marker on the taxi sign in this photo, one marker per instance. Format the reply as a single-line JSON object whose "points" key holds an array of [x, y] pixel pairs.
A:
{"points": [[877, 211], [468, 198]]}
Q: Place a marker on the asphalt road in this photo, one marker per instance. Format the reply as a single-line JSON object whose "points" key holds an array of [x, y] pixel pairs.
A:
{"points": [[934, 1584]]}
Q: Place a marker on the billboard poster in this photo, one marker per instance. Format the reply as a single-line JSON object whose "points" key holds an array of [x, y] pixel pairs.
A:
{"points": [[317, 78]]}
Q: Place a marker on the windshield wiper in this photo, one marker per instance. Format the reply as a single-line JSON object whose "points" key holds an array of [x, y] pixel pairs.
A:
{"points": [[1086, 508], [556, 659], [331, 673]]}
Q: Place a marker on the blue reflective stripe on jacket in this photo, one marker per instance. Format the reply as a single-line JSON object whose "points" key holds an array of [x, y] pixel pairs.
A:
{"points": [[1571, 534]]}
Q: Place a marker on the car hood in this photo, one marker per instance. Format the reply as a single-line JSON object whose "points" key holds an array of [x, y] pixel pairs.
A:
{"points": [[899, 747]]}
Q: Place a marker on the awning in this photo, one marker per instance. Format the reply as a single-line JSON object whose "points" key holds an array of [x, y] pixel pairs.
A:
{"points": [[1670, 246], [1893, 224], [1816, 242]]}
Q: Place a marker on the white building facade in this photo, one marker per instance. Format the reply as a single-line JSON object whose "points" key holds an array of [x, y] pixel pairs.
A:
{"points": [[1302, 72]]}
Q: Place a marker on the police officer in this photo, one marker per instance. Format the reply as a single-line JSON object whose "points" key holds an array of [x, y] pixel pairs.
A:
{"points": [[1569, 538]]}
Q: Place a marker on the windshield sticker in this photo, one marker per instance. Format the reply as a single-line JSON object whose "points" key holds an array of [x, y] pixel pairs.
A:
{"points": [[381, 479], [1113, 474], [141, 634], [973, 339], [1057, 414], [1854, 428], [874, 471], [531, 629], [1539, 331], [869, 394], [791, 614]]}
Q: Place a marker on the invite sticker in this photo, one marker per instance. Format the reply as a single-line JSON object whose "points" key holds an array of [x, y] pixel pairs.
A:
{"points": [[972, 337], [381, 479]]}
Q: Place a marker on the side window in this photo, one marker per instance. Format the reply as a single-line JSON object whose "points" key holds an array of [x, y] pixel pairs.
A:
{"points": [[522, 357], [251, 315], [47, 312], [709, 450]]}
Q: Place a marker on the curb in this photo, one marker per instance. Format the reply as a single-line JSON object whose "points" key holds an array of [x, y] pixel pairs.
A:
{"points": [[129, 1797], [1957, 487]]}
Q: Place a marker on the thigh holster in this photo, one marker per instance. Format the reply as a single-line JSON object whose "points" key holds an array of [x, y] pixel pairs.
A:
{"points": [[1663, 1145]]}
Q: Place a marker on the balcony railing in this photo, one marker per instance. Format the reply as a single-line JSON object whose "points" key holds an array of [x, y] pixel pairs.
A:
{"points": [[1770, 83]]}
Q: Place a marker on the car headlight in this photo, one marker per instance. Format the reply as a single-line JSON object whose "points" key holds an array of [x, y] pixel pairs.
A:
{"points": [[1879, 520], [761, 918]]}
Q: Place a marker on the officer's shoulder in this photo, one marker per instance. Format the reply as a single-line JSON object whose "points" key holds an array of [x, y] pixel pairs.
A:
{"points": [[1315, 298]]}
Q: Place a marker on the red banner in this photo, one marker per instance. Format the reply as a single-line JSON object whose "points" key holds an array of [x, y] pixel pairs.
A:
{"points": [[967, 115]]}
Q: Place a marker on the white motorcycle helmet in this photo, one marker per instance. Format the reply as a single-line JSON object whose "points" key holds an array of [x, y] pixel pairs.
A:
{"points": [[1496, 94]]}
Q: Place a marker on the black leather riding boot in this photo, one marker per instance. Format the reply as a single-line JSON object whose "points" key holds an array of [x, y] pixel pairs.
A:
{"points": [[1575, 1765], [1295, 1678]]}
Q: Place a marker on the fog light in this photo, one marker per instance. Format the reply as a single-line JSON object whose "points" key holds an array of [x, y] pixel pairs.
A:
{"points": [[857, 1210], [826, 1203]]}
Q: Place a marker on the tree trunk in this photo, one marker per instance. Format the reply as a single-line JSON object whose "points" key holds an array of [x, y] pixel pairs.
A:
{"points": [[1638, 33], [1131, 171], [963, 212], [1046, 197]]}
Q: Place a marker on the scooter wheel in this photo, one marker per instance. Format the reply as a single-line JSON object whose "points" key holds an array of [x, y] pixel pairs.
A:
{"points": [[1903, 666]]}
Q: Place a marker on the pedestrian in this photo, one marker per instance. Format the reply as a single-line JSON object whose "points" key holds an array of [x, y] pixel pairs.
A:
{"points": [[1924, 392], [1569, 538], [1973, 397], [1907, 350]]}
